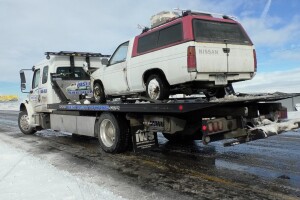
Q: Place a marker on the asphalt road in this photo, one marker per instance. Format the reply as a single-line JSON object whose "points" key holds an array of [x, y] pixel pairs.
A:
{"points": [[262, 169]]}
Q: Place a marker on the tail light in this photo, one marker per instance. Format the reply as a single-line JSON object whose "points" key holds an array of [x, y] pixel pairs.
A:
{"points": [[210, 127], [191, 59], [255, 60], [283, 114], [215, 126], [204, 128]]}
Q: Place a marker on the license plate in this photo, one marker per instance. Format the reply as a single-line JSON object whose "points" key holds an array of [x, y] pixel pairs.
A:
{"points": [[221, 79]]}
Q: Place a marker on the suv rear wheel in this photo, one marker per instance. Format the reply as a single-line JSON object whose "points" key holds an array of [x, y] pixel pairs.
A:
{"points": [[215, 92], [157, 88]]}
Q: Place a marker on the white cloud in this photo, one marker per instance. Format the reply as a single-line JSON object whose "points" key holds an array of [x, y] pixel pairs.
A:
{"points": [[268, 34], [287, 54], [29, 28], [278, 81], [266, 9]]}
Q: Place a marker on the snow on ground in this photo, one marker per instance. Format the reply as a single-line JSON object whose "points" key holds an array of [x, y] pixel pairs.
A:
{"points": [[23, 176], [9, 105], [270, 128], [294, 115]]}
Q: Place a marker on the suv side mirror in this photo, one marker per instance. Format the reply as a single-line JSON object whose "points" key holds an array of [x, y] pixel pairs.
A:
{"points": [[104, 61]]}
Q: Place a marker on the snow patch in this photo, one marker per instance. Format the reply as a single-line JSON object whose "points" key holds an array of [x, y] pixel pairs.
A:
{"points": [[245, 97], [10, 105], [23, 176], [268, 127]]}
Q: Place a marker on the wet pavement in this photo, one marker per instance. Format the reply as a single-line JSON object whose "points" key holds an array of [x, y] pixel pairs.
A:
{"points": [[262, 169]]}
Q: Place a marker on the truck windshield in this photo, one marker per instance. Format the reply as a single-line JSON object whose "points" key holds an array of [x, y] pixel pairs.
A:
{"points": [[219, 32]]}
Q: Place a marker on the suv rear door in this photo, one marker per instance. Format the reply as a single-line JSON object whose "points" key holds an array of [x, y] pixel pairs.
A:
{"points": [[222, 47]]}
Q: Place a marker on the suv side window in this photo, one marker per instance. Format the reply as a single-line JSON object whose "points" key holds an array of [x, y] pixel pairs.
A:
{"points": [[170, 35], [160, 38], [147, 42], [36, 79], [45, 75], [120, 54]]}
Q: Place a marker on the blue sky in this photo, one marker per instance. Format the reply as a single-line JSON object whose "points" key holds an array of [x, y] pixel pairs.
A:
{"points": [[29, 28]]}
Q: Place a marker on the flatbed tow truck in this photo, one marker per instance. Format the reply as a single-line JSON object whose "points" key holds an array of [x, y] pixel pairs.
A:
{"points": [[134, 122]]}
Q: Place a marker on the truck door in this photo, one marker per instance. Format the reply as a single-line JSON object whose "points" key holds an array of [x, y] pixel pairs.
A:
{"points": [[114, 75], [43, 90], [34, 96]]}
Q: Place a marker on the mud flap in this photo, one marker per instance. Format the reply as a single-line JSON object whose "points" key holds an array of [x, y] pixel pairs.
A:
{"points": [[142, 140]]}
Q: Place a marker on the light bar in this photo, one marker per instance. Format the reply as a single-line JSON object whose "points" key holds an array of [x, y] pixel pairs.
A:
{"points": [[73, 53]]}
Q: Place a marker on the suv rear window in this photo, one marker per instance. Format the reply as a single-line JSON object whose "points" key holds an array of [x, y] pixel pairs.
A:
{"points": [[212, 31], [160, 38]]}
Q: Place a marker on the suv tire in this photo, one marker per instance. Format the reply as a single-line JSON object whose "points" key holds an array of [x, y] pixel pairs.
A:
{"points": [[157, 88]]}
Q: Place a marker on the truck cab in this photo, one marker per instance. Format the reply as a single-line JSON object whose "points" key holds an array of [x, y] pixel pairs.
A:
{"points": [[58, 78]]}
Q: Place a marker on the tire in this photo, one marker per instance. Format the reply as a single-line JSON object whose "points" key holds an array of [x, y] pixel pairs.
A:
{"points": [[23, 123], [157, 88], [98, 93], [215, 92], [113, 133]]}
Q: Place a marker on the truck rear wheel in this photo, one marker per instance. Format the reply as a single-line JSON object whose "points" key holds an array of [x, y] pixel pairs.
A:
{"points": [[113, 133], [98, 92], [23, 122], [157, 88]]}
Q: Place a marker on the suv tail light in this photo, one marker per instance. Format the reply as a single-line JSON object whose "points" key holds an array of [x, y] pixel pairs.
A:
{"points": [[191, 59], [255, 61]]}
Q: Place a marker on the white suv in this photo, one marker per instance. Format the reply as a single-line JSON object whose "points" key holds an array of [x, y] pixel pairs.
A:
{"points": [[188, 54]]}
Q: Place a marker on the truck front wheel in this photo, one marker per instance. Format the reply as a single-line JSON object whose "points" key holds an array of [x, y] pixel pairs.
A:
{"points": [[113, 133], [23, 122], [157, 88]]}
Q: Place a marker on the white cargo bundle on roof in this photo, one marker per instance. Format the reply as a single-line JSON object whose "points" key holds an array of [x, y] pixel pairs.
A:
{"points": [[162, 17]]}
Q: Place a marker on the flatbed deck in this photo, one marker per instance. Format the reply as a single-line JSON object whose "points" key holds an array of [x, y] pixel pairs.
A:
{"points": [[186, 105]]}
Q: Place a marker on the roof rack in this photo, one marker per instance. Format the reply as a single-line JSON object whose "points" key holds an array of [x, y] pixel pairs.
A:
{"points": [[195, 12], [74, 53]]}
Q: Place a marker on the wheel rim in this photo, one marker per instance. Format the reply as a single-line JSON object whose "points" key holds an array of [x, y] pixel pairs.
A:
{"points": [[107, 133], [24, 122], [153, 89]]}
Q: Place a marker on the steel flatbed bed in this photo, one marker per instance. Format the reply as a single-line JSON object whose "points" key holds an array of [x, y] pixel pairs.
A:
{"points": [[175, 105]]}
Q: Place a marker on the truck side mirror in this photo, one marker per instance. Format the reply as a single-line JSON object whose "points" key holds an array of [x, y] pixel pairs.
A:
{"points": [[23, 81], [104, 61], [22, 76], [23, 86]]}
